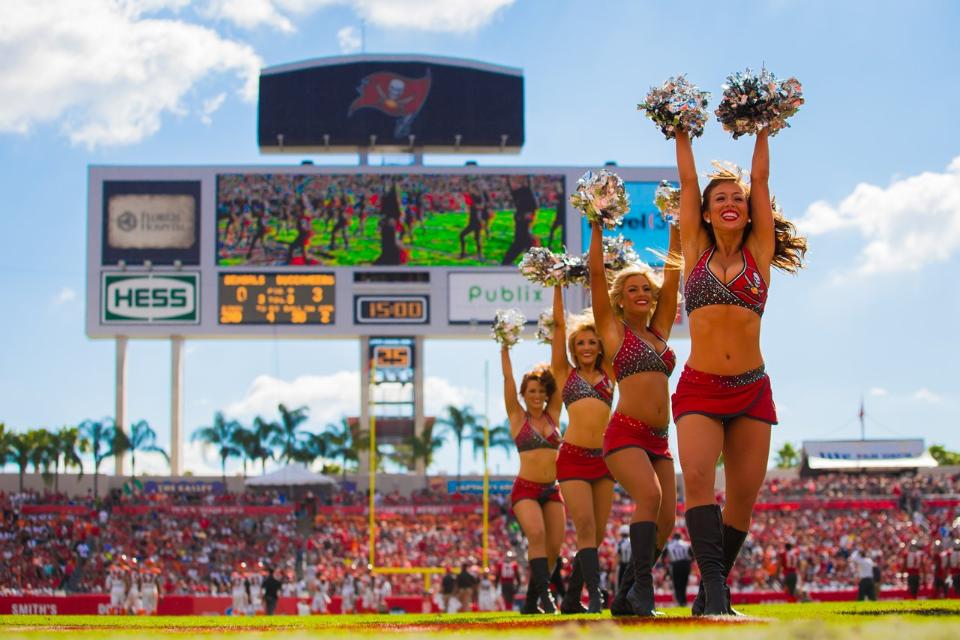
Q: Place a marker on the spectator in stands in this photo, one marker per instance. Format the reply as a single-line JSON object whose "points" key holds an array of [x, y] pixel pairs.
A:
{"points": [[466, 587], [271, 592], [448, 588], [679, 556], [864, 566]]}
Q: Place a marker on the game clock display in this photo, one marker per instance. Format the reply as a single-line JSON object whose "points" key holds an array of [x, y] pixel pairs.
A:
{"points": [[277, 298], [398, 309]]}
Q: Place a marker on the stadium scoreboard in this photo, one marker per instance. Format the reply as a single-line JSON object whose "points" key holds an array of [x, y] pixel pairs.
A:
{"points": [[276, 298], [307, 251]]}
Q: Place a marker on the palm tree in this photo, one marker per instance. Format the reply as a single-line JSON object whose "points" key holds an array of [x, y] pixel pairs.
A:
{"points": [[418, 448], [460, 422], [69, 447], [340, 444], [787, 457], [99, 436], [219, 435], [5, 445], [43, 452], [19, 452], [312, 446], [263, 435], [500, 438], [142, 438], [245, 441], [287, 436]]}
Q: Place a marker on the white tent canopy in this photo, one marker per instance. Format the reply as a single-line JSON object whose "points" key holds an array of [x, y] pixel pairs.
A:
{"points": [[294, 475]]}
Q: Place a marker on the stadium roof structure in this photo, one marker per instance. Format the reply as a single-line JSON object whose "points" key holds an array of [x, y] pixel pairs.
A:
{"points": [[866, 455], [294, 475]]}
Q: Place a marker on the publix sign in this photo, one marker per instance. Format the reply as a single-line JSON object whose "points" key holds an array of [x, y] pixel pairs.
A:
{"points": [[475, 297], [150, 298]]}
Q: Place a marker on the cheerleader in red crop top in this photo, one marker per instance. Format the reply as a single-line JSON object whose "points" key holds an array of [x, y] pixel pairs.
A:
{"points": [[536, 499], [634, 320], [585, 481], [723, 404]]}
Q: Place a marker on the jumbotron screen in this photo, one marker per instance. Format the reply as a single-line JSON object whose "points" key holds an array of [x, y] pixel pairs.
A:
{"points": [[386, 219]]}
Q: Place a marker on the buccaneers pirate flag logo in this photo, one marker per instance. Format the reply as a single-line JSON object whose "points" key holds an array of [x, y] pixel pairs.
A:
{"points": [[394, 95]]}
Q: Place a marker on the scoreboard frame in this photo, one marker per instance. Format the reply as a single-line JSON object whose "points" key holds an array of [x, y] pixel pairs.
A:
{"points": [[352, 283]]}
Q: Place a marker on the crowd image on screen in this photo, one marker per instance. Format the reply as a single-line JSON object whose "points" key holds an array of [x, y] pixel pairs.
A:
{"points": [[282, 219], [320, 548]]}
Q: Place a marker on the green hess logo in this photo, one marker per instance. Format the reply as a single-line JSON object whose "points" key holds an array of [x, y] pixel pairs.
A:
{"points": [[168, 298]]}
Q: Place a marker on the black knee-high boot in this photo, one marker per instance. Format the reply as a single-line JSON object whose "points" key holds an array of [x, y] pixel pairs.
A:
{"points": [[530, 600], [571, 599], [540, 583], [733, 540], [556, 578], [706, 536], [643, 540], [590, 566], [620, 605]]}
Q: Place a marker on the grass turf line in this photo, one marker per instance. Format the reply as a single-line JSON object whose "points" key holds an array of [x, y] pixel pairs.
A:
{"points": [[896, 620]]}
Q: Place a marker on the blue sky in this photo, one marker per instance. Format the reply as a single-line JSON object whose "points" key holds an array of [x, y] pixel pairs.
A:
{"points": [[870, 169]]}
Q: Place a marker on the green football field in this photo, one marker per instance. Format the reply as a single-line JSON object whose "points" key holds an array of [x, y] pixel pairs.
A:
{"points": [[434, 243], [913, 620]]}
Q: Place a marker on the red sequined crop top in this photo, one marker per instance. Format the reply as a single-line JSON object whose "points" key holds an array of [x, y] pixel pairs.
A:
{"points": [[636, 356], [747, 289], [577, 388], [529, 438]]}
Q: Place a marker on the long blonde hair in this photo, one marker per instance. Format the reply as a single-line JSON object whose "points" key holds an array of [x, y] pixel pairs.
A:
{"points": [[620, 281], [579, 323]]}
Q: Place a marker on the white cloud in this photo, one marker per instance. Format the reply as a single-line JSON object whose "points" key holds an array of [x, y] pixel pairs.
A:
{"points": [[349, 40], [454, 16], [878, 391], [910, 223], [249, 14], [327, 397], [210, 106], [450, 16], [107, 70], [65, 295], [925, 395]]}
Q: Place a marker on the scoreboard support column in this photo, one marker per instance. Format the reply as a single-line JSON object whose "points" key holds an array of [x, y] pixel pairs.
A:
{"points": [[419, 421], [363, 457], [120, 414], [176, 403]]}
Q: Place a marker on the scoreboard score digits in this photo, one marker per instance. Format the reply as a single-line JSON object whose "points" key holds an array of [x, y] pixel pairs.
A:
{"points": [[277, 298]]}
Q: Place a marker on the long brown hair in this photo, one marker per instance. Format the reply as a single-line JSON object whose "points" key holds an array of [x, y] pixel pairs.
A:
{"points": [[542, 374], [790, 248]]}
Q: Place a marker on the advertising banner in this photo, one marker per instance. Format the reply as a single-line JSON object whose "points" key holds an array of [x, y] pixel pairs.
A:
{"points": [[863, 449], [155, 220], [475, 487], [475, 297], [132, 298], [643, 226]]}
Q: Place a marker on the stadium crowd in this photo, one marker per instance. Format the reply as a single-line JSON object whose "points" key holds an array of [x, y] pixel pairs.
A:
{"points": [[201, 544]]}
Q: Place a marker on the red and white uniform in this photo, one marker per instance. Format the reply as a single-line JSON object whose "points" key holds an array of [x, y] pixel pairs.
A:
{"points": [[789, 561], [913, 563], [508, 572]]}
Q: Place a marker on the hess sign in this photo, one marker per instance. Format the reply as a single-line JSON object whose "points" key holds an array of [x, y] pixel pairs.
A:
{"points": [[139, 298]]}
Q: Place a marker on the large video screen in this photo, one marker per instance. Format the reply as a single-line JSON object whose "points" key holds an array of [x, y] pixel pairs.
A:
{"points": [[643, 225], [386, 220]]}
